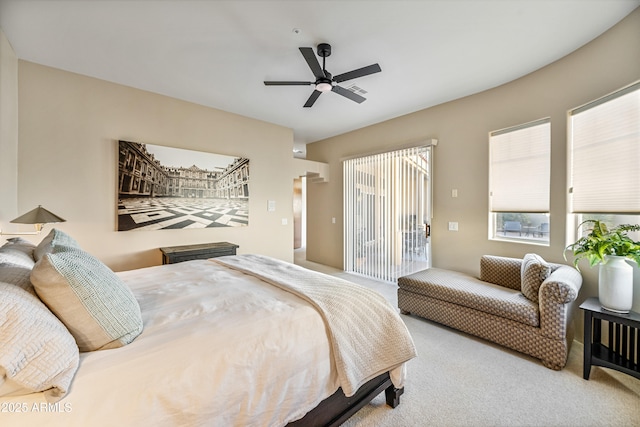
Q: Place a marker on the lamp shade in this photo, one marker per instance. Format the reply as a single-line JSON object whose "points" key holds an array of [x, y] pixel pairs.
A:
{"points": [[38, 215]]}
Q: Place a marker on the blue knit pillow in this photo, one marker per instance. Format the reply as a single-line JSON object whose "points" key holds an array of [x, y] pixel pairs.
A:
{"points": [[95, 305], [53, 239]]}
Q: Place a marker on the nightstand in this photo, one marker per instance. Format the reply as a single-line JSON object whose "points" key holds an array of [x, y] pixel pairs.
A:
{"points": [[174, 254], [622, 349]]}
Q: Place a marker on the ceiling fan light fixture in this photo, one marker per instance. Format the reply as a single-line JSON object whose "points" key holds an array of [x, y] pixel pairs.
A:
{"points": [[324, 87]]}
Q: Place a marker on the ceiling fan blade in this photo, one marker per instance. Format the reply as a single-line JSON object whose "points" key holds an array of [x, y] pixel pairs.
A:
{"points": [[310, 57], [360, 72], [312, 99], [288, 83], [348, 94]]}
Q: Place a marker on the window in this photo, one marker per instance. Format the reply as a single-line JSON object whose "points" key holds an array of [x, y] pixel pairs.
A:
{"points": [[519, 170], [610, 220], [604, 159]]}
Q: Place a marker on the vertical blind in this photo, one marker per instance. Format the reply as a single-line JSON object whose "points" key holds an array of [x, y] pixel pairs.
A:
{"points": [[385, 211], [519, 168], [605, 154]]}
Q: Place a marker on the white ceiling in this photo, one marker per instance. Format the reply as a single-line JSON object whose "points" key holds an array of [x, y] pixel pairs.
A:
{"points": [[218, 53]]}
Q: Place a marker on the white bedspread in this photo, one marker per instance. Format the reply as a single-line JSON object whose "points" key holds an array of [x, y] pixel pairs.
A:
{"points": [[366, 333], [237, 372]]}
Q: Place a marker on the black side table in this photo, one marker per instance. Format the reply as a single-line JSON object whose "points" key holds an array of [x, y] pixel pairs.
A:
{"points": [[622, 349]]}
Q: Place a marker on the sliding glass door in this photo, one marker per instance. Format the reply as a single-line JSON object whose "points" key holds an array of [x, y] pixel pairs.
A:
{"points": [[387, 211]]}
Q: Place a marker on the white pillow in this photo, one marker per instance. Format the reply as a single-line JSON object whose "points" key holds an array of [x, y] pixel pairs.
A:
{"points": [[22, 244], [37, 351], [9, 254], [17, 275]]}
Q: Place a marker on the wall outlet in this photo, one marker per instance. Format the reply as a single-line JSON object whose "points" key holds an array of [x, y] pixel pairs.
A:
{"points": [[454, 192], [453, 226], [285, 221], [333, 220]]}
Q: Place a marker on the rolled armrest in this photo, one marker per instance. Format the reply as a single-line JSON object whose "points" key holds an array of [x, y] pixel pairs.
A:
{"points": [[557, 294], [562, 286]]}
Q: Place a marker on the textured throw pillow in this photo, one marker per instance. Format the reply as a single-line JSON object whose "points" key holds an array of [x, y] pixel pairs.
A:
{"points": [[95, 305], [533, 272], [17, 275], [16, 262], [54, 239], [15, 254], [37, 351], [22, 244]]}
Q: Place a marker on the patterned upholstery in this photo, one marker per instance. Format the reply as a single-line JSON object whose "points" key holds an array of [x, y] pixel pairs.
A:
{"points": [[461, 289], [534, 271], [499, 313], [501, 271]]}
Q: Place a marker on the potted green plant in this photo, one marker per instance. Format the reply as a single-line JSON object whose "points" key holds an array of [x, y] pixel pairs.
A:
{"points": [[602, 241], [609, 248]]}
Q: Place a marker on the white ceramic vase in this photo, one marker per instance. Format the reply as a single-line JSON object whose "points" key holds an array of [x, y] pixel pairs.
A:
{"points": [[615, 284]]}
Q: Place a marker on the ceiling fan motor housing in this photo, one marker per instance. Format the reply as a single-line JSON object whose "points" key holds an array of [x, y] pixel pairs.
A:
{"points": [[324, 50]]}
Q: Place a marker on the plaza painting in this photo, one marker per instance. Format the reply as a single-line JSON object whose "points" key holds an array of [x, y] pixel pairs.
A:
{"points": [[170, 188]]}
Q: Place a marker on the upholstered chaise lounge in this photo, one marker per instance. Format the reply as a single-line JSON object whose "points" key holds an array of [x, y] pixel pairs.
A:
{"points": [[524, 304]]}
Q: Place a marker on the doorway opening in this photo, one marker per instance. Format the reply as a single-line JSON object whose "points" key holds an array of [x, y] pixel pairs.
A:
{"points": [[299, 213], [387, 211]]}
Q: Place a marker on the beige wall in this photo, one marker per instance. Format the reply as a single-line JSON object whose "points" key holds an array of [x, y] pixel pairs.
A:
{"points": [[68, 131], [461, 157], [8, 134]]}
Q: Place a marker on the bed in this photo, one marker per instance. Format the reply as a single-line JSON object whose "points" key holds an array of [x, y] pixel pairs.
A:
{"points": [[243, 340]]}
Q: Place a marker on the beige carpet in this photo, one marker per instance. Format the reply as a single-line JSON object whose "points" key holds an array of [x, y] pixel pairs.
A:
{"points": [[459, 380]]}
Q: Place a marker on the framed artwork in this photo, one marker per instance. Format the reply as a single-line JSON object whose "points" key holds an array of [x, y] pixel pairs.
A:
{"points": [[171, 188]]}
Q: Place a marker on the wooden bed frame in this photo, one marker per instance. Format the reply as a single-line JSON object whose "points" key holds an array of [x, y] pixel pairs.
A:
{"points": [[337, 408]]}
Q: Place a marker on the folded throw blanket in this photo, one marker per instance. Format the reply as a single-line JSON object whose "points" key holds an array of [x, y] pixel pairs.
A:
{"points": [[366, 333]]}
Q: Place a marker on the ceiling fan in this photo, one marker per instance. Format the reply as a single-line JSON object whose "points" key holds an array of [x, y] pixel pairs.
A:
{"points": [[325, 82]]}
